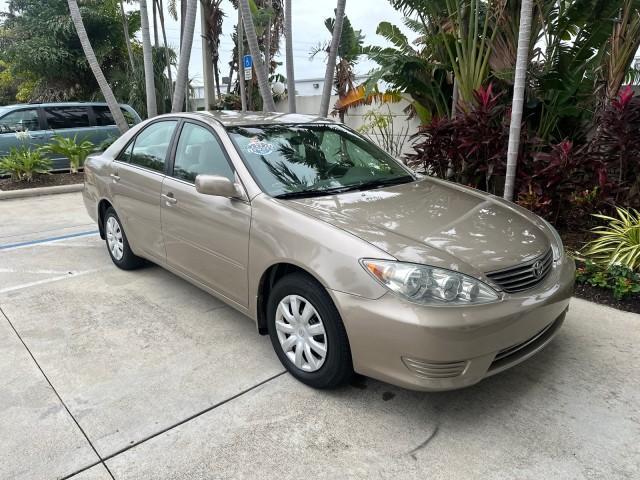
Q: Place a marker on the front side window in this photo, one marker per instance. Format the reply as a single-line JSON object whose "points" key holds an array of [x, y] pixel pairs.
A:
{"points": [[152, 144], [292, 160], [20, 121], [67, 117], [199, 152]]}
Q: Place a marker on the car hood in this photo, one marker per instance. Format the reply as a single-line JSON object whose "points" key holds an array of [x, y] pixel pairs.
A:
{"points": [[434, 222]]}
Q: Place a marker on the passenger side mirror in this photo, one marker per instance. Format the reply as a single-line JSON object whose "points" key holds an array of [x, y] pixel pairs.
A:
{"points": [[218, 186]]}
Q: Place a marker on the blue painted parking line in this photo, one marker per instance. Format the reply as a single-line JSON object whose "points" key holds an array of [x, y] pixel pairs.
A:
{"points": [[49, 239]]}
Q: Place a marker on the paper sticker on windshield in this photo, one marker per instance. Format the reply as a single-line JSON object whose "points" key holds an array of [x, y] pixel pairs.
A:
{"points": [[260, 147]]}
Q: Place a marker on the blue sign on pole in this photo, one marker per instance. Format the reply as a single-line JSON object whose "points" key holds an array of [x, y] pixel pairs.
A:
{"points": [[248, 61]]}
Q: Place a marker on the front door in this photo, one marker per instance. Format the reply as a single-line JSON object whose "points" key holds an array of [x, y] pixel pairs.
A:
{"points": [[205, 237], [137, 176]]}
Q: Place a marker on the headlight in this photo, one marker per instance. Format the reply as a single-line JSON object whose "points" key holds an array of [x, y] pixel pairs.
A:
{"points": [[556, 246], [429, 285]]}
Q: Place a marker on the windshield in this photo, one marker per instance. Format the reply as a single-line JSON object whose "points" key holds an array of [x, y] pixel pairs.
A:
{"points": [[297, 160]]}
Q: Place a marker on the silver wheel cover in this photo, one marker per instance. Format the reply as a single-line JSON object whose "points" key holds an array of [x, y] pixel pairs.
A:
{"points": [[114, 238], [301, 333]]}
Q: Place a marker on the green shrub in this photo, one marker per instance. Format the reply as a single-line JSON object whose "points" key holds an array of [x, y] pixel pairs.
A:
{"points": [[618, 242], [621, 280], [22, 164], [70, 148]]}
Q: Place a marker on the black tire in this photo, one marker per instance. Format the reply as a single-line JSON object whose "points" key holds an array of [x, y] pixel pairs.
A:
{"points": [[128, 261], [337, 368]]}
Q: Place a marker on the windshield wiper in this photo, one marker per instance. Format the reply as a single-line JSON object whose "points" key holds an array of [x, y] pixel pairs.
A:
{"points": [[304, 194], [384, 182]]}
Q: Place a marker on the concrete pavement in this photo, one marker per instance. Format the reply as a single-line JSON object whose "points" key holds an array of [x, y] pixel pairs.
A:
{"points": [[139, 375]]}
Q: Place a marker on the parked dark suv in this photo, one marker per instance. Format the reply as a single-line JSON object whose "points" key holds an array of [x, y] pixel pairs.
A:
{"points": [[87, 121]]}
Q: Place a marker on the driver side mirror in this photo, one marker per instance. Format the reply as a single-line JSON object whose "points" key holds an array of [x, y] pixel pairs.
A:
{"points": [[218, 186]]}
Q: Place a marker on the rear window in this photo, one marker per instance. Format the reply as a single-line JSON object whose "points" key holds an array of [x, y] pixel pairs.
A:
{"points": [[67, 117]]}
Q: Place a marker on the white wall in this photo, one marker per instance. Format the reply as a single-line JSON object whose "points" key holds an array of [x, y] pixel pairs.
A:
{"points": [[355, 117]]}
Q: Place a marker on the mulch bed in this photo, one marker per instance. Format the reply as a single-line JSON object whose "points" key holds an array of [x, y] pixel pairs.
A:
{"points": [[51, 180], [605, 297]]}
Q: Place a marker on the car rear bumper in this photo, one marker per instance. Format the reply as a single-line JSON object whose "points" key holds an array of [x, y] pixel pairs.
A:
{"points": [[444, 348]]}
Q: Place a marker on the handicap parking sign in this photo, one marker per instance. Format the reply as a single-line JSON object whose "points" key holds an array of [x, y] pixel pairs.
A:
{"points": [[248, 61]]}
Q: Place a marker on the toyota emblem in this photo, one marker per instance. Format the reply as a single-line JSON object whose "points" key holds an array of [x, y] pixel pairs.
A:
{"points": [[537, 269]]}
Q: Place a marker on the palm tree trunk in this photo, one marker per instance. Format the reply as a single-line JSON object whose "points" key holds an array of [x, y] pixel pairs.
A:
{"points": [[261, 72], [166, 49], [241, 82], [156, 42], [107, 93], [522, 62], [207, 63], [127, 39], [331, 61], [147, 54], [267, 42], [185, 55], [291, 83]]}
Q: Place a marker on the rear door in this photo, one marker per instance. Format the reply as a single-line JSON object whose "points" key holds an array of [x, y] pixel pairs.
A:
{"points": [[69, 122], [137, 176], [24, 122], [206, 237]]}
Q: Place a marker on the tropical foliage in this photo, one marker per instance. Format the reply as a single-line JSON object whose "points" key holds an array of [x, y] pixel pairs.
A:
{"points": [[23, 163], [76, 151], [618, 241]]}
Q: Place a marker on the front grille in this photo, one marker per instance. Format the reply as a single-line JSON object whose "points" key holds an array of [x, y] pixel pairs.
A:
{"points": [[523, 276], [433, 370]]}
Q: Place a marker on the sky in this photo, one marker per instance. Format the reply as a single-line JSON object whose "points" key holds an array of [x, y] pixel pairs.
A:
{"points": [[308, 30]]}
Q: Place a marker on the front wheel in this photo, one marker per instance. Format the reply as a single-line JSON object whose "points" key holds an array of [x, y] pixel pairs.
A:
{"points": [[307, 332]]}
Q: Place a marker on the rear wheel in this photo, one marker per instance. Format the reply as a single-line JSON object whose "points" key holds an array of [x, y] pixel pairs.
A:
{"points": [[307, 332], [117, 243]]}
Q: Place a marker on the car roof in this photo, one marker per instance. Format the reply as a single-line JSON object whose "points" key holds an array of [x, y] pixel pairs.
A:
{"points": [[56, 104], [233, 118]]}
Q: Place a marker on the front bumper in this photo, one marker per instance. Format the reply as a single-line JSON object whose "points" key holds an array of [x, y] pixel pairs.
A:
{"points": [[444, 348]]}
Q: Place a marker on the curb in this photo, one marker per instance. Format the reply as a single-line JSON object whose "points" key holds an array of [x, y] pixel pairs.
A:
{"points": [[35, 192]]}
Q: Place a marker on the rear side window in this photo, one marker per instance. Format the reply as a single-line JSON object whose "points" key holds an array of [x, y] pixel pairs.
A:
{"points": [[104, 117], [152, 144], [20, 121], [67, 117]]}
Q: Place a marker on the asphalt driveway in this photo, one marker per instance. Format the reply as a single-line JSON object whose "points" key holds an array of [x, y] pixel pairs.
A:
{"points": [[139, 375]]}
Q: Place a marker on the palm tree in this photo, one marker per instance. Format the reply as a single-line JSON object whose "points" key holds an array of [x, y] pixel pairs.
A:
{"points": [[147, 55], [349, 50], [331, 61], [185, 55], [291, 83], [212, 18], [261, 72], [166, 47], [127, 39], [107, 93], [522, 62]]}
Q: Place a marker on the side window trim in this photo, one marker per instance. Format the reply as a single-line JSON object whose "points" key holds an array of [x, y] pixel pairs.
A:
{"points": [[171, 162]]}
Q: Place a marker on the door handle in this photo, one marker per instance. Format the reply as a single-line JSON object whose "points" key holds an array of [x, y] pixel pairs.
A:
{"points": [[169, 199], [115, 177]]}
